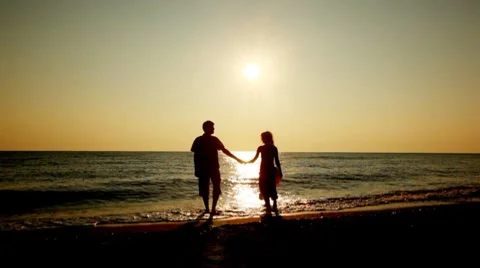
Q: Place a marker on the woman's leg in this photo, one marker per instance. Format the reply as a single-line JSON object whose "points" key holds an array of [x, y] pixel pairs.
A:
{"points": [[275, 209], [264, 193], [272, 190], [268, 209]]}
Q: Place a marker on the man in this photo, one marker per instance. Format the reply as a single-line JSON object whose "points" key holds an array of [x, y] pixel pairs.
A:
{"points": [[207, 168]]}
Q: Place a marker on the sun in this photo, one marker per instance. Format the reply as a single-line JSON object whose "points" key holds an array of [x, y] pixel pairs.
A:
{"points": [[251, 71]]}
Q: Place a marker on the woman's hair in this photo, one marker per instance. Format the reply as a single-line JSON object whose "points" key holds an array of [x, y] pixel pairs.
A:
{"points": [[267, 137]]}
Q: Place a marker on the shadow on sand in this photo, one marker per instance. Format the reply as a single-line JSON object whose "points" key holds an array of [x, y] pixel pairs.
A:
{"points": [[268, 218]]}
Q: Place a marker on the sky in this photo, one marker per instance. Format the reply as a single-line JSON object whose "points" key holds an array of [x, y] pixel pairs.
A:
{"points": [[329, 76]]}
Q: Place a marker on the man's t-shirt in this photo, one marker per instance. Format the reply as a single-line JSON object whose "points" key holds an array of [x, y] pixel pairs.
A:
{"points": [[205, 157]]}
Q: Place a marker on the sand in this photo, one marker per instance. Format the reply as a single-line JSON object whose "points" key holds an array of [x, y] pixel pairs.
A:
{"points": [[417, 233]]}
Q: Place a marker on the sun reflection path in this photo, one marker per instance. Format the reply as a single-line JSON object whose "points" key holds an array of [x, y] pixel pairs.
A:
{"points": [[242, 192]]}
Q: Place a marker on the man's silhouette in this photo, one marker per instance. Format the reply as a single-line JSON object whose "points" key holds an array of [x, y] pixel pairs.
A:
{"points": [[207, 167]]}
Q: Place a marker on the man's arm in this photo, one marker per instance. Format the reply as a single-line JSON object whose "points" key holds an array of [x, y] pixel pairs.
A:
{"points": [[221, 147], [194, 145], [227, 152]]}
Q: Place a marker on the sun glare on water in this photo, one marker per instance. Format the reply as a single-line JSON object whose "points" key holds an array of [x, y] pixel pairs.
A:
{"points": [[251, 71], [243, 193]]}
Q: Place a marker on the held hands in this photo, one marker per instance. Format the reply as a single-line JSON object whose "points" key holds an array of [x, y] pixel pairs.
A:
{"points": [[241, 161]]}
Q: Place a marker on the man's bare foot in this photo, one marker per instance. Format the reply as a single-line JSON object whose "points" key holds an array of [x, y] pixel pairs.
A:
{"points": [[215, 212], [268, 210]]}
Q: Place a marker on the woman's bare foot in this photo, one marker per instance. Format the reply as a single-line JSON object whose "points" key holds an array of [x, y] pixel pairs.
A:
{"points": [[275, 209]]}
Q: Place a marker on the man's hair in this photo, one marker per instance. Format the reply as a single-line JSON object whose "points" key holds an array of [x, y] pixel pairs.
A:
{"points": [[206, 124]]}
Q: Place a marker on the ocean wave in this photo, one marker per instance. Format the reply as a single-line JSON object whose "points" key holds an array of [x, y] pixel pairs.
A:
{"points": [[453, 194], [442, 194], [24, 201]]}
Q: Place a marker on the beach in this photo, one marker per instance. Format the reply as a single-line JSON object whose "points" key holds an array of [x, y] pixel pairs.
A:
{"points": [[431, 232]]}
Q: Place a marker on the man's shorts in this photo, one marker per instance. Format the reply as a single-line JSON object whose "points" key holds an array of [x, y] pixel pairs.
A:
{"points": [[204, 183]]}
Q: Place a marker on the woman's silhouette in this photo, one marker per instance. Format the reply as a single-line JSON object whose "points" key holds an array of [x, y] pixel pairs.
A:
{"points": [[269, 167]]}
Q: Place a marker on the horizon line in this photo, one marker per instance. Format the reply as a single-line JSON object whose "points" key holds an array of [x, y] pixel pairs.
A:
{"points": [[187, 151]]}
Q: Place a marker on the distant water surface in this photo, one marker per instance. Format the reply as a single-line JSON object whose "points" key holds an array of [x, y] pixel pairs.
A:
{"points": [[49, 189]]}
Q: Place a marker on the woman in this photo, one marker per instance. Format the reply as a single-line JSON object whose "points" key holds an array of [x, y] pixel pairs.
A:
{"points": [[269, 167]]}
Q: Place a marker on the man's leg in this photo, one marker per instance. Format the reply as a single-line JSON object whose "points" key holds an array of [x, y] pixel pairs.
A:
{"points": [[216, 192], [205, 202], [203, 188], [214, 204]]}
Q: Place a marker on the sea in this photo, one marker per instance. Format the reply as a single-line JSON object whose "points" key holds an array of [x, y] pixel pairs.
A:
{"points": [[50, 189]]}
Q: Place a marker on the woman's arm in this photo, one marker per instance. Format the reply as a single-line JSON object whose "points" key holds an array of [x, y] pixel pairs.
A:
{"points": [[256, 156]]}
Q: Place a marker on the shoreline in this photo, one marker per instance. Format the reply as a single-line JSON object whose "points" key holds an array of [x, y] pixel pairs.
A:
{"points": [[305, 215], [139, 227], [147, 227], [432, 231]]}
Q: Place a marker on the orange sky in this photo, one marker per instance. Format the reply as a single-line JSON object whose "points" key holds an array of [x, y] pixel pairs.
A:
{"points": [[333, 76]]}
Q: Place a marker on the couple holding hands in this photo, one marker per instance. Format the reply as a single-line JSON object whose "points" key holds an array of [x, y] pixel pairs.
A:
{"points": [[207, 167]]}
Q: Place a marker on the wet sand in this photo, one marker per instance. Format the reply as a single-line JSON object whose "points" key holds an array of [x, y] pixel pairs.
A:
{"points": [[417, 234]]}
